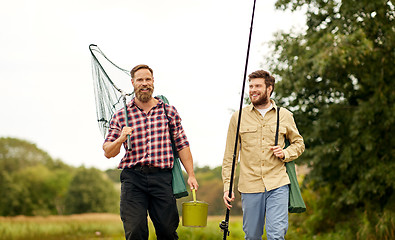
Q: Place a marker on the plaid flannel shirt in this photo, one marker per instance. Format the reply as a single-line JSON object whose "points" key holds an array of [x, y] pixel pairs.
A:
{"points": [[150, 140]]}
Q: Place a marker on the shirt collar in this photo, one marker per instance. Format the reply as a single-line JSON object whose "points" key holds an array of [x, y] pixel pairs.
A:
{"points": [[251, 106], [133, 102]]}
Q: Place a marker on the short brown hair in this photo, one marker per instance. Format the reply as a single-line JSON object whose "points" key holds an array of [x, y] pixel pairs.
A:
{"points": [[138, 67], [269, 80]]}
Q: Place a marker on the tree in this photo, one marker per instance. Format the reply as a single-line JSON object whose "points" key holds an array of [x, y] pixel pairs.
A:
{"points": [[91, 191], [114, 175], [31, 182], [338, 79], [15, 153]]}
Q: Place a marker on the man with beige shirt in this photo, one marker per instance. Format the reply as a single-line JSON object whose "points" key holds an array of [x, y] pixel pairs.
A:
{"points": [[263, 181]]}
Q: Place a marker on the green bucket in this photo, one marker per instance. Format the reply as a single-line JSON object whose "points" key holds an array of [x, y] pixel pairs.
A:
{"points": [[194, 213]]}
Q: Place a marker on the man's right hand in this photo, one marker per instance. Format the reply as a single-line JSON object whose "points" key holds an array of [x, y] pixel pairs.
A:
{"points": [[228, 200], [125, 132], [112, 149]]}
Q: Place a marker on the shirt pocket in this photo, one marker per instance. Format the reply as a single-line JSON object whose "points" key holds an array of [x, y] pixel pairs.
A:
{"points": [[158, 123], [249, 136], [281, 134]]}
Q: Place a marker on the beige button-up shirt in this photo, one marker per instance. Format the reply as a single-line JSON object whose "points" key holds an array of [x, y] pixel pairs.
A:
{"points": [[259, 168]]}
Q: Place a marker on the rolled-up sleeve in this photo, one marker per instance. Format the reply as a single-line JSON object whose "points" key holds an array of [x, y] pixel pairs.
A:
{"points": [[114, 130]]}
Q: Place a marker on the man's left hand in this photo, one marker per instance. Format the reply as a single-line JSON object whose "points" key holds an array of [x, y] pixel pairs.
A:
{"points": [[278, 151], [193, 183]]}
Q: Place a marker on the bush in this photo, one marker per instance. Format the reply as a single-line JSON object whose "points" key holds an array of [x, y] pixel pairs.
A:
{"points": [[91, 191]]}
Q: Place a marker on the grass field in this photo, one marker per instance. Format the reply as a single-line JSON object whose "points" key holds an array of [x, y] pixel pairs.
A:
{"points": [[100, 226]]}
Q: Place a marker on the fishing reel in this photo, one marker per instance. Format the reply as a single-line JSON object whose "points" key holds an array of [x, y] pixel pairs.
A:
{"points": [[224, 226]]}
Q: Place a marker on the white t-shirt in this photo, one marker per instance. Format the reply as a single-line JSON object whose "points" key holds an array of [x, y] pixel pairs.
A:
{"points": [[265, 110]]}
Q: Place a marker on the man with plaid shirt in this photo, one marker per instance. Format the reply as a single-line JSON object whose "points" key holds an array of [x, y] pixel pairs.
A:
{"points": [[146, 176]]}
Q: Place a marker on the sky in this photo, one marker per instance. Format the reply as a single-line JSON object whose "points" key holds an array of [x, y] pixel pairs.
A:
{"points": [[197, 49]]}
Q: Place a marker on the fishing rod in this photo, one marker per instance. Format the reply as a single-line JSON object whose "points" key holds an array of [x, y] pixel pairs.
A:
{"points": [[224, 225]]}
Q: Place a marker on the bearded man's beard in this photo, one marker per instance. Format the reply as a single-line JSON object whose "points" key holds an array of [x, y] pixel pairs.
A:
{"points": [[263, 100], [144, 96]]}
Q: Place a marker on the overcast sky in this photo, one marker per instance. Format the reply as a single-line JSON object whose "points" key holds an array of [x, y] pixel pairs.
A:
{"points": [[196, 48]]}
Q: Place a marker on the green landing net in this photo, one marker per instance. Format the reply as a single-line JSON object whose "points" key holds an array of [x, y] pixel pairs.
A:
{"points": [[109, 80]]}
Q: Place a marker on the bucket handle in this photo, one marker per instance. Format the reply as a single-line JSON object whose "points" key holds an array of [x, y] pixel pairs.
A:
{"points": [[194, 194]]}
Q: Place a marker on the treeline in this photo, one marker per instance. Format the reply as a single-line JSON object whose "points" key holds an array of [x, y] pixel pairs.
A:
{"points": [[32, 183]]}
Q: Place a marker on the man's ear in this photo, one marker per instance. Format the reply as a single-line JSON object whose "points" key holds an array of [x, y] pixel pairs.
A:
{"points": [[270, 90]]}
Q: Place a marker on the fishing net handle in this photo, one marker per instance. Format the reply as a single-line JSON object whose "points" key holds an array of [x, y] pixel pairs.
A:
{"points": [[129, 144]]}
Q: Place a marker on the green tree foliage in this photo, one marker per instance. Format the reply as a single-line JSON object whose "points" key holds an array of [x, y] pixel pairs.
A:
{"points": [[114, 175], [42, 192], [31, 182], [91, 191], [338, 78], [16, 153]]}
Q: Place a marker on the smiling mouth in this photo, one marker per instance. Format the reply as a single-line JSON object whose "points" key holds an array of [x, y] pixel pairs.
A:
{"points": [[145, 89]]}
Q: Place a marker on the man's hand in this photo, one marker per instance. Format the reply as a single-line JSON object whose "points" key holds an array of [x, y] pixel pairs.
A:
{"points": [[278, 151], [112, 149], [228, 200], [125, 132], [192, 182]]}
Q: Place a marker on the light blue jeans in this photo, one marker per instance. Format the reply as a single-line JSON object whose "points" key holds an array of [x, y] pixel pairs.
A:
{"points": [[270, 204]]}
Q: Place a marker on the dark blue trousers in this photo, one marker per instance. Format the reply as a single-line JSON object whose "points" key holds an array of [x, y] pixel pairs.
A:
{"points": [[148, 193]]}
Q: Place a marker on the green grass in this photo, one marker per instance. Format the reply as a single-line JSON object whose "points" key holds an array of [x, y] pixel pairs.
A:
{"points": [[84, 226], [100, 226], [212, 230], [109, 227]]}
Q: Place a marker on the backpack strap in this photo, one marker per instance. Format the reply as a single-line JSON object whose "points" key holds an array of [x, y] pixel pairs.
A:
{"points": [[173, 144], [278, 124]]}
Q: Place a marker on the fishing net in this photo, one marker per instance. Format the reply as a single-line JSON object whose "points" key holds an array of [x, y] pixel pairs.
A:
{"points": [[109, 80]]}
